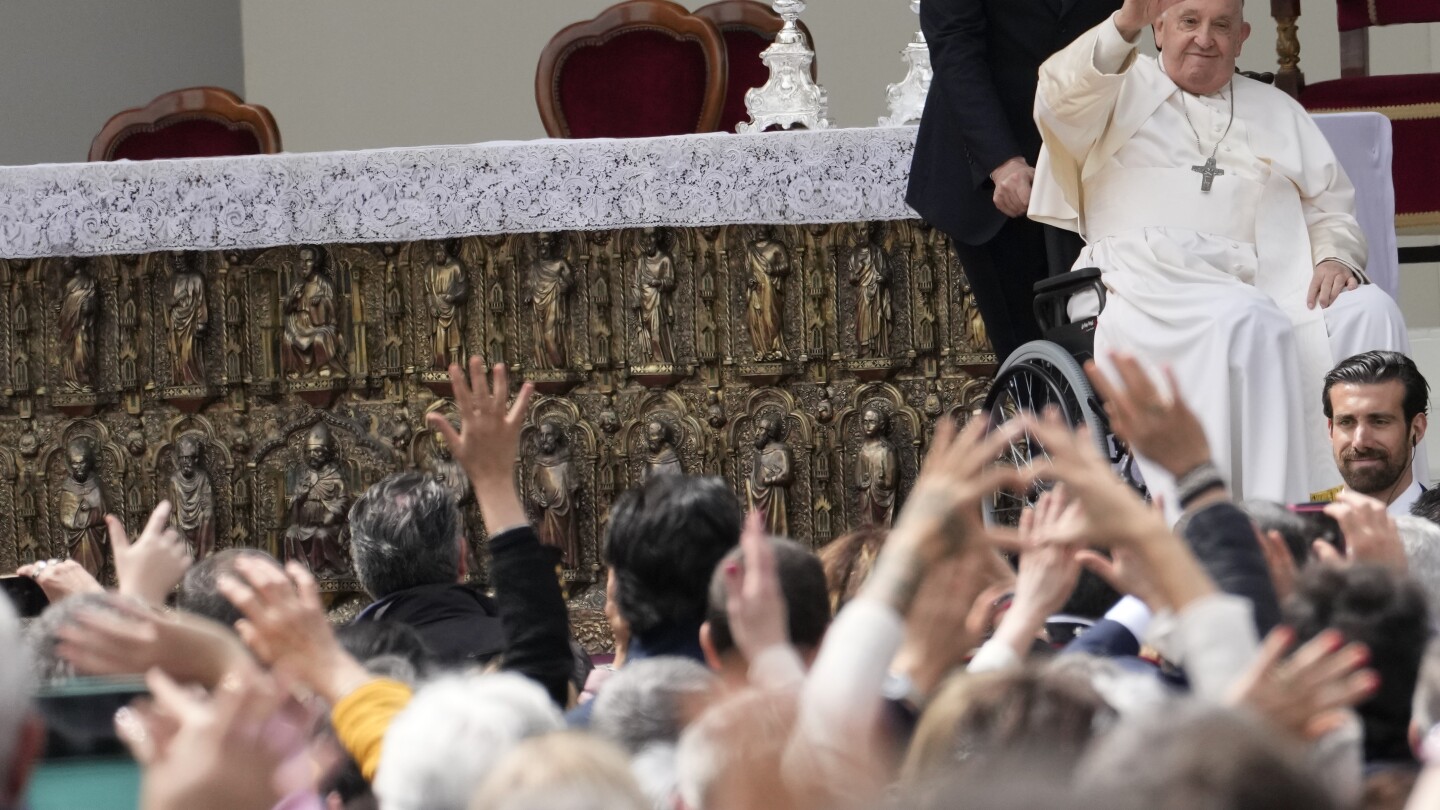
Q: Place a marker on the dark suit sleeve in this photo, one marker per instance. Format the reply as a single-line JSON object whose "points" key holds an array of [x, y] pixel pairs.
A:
{"points": [[955, 31], [532, 611], [1223, 538]]}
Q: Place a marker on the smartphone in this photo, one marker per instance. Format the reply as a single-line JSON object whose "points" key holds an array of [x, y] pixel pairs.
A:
{"points": [[25, 594], [1321, 526]]}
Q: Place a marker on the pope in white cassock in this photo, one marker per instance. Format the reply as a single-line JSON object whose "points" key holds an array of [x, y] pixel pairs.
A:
{"points": [[1225, 230]]}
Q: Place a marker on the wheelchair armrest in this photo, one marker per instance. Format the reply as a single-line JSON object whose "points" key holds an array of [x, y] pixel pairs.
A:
{"points": [[1053, 294], [1079, 279]]}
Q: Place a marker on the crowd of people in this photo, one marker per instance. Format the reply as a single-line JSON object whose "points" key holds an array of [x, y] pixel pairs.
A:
{"points": [[1250, 656]]}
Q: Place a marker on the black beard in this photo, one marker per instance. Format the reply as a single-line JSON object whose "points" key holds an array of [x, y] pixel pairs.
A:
{"points": [[1375, 481]]}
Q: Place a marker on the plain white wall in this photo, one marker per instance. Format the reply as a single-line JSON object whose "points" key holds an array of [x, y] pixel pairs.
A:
{"points": [[349, 74], [352, 74], [68, 65]]}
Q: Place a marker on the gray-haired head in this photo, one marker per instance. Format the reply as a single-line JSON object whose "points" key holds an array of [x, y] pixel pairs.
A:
{"points": [[439, 750], [405, 532], [1421, 539], [42, 636], [650, 701]]}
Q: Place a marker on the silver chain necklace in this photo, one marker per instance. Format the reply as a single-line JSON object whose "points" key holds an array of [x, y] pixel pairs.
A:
{"points": [[1209, 171]]}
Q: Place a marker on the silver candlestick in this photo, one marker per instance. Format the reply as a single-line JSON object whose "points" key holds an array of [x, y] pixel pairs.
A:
{"points": [[907, 98], [790, 98]]}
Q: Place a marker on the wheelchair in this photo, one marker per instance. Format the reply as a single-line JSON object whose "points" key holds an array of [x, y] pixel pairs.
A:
{"points": [[1049, 372]]}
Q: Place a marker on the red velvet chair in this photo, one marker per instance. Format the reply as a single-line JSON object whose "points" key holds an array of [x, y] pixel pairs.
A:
{"points": [[192, 122], [1411, 102], [748, 27], [640, 69]]}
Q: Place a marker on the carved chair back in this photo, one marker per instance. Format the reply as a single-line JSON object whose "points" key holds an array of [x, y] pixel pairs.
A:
{"points": [[748, 26], [186, 123], [1410, 101], [642, 68]]}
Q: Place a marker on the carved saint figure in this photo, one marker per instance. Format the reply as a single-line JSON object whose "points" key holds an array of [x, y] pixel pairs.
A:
{"points": [[771, 475], [551, 280], [449, 472], [312, 345], [448, 290], [877, 470], [189, 320], [79, 308], [192, 498], [870, 273], [555, 487], [662, 458], [769, 263], [318, 507], [82, 508], [974, 322], [654, 283]]}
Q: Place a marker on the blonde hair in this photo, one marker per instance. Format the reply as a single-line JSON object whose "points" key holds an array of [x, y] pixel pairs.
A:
{"points": [[566, 769]]}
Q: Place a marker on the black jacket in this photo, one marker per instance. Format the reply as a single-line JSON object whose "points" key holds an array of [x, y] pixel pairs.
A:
{"points": [[526, 624], [980, 112], [1223, 538]]}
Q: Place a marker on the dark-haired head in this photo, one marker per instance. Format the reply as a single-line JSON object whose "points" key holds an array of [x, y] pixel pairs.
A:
{"points": [[1373, 368], [663, 541]]}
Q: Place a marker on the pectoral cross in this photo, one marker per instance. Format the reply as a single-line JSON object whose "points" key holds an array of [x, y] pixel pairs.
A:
{"points": [[1210, 171]]}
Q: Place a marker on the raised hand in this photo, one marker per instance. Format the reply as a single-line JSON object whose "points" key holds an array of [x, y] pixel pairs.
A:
{"points": [[133, 640], [753, 601], [951, 614], [1136, 15], [1158, 426], [942, 516], [286, 627], [234, 750], [488, 442], [1303, 693], [1371, 535], [61, 578], [150, 567]]}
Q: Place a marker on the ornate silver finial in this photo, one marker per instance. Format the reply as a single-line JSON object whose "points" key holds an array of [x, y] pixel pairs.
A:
{"points": [[907, 98], [790, 98]]}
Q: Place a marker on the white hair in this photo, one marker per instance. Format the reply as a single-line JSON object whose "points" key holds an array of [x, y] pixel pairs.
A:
{"points": [[654, 771], [648, 701], [456, 728], [1421, 539], [16, 683]]}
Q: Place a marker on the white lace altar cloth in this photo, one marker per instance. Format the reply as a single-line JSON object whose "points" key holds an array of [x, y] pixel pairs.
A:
{"points": [[394, 195]]}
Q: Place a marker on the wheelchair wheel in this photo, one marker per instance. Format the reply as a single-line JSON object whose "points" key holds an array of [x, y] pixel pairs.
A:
{"points": [[1037, 375]]}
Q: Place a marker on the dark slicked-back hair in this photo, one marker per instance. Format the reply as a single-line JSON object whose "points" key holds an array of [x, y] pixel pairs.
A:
{"points": [[1370, 368], [404, 533], [198, 593], [1385, 611], [664, 540], [802, 585]]}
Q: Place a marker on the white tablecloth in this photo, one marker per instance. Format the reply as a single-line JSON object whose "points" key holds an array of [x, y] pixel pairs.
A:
{"points": [[438, 192]]}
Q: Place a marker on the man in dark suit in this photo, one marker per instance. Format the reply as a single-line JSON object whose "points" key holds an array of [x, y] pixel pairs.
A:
{"points": [[977, 147]]}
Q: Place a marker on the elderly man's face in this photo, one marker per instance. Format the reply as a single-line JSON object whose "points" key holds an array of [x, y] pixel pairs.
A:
{"points": [[1199, 41]]}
